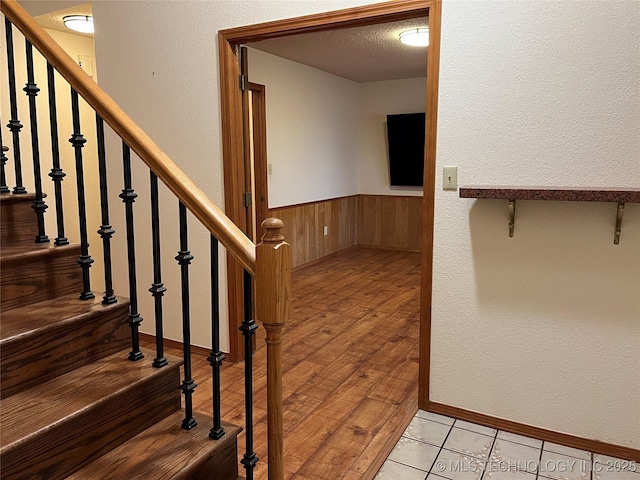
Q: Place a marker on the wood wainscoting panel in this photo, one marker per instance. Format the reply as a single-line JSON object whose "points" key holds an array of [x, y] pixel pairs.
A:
{"points": [[385, 221], [388, 221], [304, 227]]}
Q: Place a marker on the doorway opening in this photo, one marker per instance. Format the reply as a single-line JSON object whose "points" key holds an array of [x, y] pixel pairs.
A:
{"points": [[235, 173]]}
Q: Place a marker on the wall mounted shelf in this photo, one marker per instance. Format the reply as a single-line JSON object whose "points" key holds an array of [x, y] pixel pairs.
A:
{"points": [[558, 194]]}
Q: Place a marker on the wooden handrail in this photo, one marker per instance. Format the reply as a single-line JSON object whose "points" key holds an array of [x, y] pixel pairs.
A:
{"points": [[214, 219]]}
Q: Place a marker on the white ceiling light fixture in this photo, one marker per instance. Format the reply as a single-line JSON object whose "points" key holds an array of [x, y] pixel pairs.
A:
{"points": [[416, 37], [79, 23]]}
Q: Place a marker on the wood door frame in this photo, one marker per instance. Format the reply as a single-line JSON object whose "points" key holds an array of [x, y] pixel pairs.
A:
{"points": [[261, 200], [232, 144]]}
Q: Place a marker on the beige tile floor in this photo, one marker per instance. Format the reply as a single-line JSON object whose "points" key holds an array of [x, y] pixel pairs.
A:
{"points": [[435, 447]]}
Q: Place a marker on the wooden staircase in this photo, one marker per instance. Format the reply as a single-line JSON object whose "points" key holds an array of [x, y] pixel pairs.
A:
{"points": [[72, 404]]}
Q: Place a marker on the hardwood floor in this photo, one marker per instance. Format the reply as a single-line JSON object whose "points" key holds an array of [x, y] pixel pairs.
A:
{"points": [[350, 362]]}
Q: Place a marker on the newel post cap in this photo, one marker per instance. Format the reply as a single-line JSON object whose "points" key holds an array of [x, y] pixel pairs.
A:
{"points": [[273, 230]]}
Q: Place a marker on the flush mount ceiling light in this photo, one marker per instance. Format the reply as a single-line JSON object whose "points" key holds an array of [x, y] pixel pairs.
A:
{"points": [[416, 37], [79, 23]]}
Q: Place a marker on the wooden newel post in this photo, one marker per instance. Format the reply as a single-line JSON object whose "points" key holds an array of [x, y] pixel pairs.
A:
{"points": [[273, 304]]}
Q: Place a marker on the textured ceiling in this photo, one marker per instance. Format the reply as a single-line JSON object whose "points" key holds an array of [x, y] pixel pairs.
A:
{"points": [[40, 7], [49, 13], [53, 20], [363, 54]]}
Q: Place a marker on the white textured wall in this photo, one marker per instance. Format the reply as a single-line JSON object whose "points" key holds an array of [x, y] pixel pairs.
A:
{"points": [[327, 137], [312, 143], [380, 99], [159, 61], [542, 328]]}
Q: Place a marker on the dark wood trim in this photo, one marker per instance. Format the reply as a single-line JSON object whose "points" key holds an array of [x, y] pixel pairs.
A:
{"points": [[233, 170], [581, 443], [11, 198], [346, 18], [246, 142], [396, 249], [146, 337], [231, 108], [261, 202], [431, 136]]}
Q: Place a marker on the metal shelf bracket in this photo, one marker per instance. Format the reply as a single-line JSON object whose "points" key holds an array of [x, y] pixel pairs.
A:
{"points": [[512, 216], [619, 215]]}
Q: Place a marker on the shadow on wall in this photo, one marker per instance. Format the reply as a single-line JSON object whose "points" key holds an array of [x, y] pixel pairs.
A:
{"points": [[561, 261]]}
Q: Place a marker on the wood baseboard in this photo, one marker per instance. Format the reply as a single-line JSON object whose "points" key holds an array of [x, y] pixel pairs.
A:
{"points": [[595, 446], [174, 344], [380, 247]]}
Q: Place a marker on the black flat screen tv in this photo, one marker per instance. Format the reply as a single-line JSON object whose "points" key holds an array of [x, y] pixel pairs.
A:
{"points": [[405, 135]]}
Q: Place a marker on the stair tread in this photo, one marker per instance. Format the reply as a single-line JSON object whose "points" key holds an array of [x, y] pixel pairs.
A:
{"points": [[26, 413], [7, 198], [26, 249], [38, 317], [163, 451]]}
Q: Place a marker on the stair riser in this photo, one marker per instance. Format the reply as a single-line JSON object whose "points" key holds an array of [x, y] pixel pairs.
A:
{"points": [[39, 278], [32, 359], [222, 465], [70, 444], [18, 222]]}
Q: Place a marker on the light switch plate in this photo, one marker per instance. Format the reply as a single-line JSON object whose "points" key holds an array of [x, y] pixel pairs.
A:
{"points": [[86, 64], [449, 178]]}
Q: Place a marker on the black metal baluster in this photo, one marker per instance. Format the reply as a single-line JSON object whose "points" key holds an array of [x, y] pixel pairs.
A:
{"points": [[31, 89], [184, 258], [57, 175], [129, 196], [248, 329], [14, 124], [78, 141], [216, 357], [3, 162], [106, 230], [157, 287]]}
